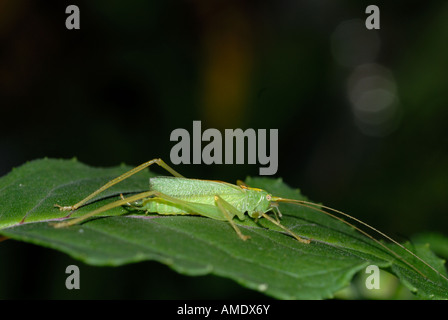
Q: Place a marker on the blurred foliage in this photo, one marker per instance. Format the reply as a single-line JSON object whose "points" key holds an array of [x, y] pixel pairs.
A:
{"points": [[113, 91]]}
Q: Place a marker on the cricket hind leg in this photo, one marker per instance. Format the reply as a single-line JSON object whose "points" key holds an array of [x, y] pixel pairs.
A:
{"points": [[122, 177], [104, 208], [133, 206]]}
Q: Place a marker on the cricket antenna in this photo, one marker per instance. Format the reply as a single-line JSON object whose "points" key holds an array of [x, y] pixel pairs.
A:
{"points": [[320, 208]]}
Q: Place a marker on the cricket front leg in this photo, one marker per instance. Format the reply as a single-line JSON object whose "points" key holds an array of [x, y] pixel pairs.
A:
{"points": [[302, 240], [124, 176]]}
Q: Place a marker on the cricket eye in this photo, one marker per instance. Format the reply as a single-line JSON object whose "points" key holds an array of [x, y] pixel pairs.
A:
{"points": [[268, 197]]}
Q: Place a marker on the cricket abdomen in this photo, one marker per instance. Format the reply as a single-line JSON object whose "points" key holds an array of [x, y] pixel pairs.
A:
{"points": [[163, 207], [194, 191]]}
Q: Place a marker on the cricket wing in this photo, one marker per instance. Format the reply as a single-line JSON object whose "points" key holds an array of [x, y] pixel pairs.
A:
{"points": [[198, 191]]}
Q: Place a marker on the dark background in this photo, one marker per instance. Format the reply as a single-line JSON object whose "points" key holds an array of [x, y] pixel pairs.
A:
{"points": [[362, 115]]}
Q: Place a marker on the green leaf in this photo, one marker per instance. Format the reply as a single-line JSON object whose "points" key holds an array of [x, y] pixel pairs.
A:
{"points": [[270, 262], [437, 242]]}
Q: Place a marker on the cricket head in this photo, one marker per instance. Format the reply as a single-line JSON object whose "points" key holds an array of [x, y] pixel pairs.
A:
{"points": [[259, 200]]}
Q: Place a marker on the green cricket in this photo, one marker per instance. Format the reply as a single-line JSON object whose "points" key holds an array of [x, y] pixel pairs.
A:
{"points": [[177, 195]]}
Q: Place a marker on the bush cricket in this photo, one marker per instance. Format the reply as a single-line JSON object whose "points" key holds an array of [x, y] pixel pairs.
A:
{"points": [[177, 195]]}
